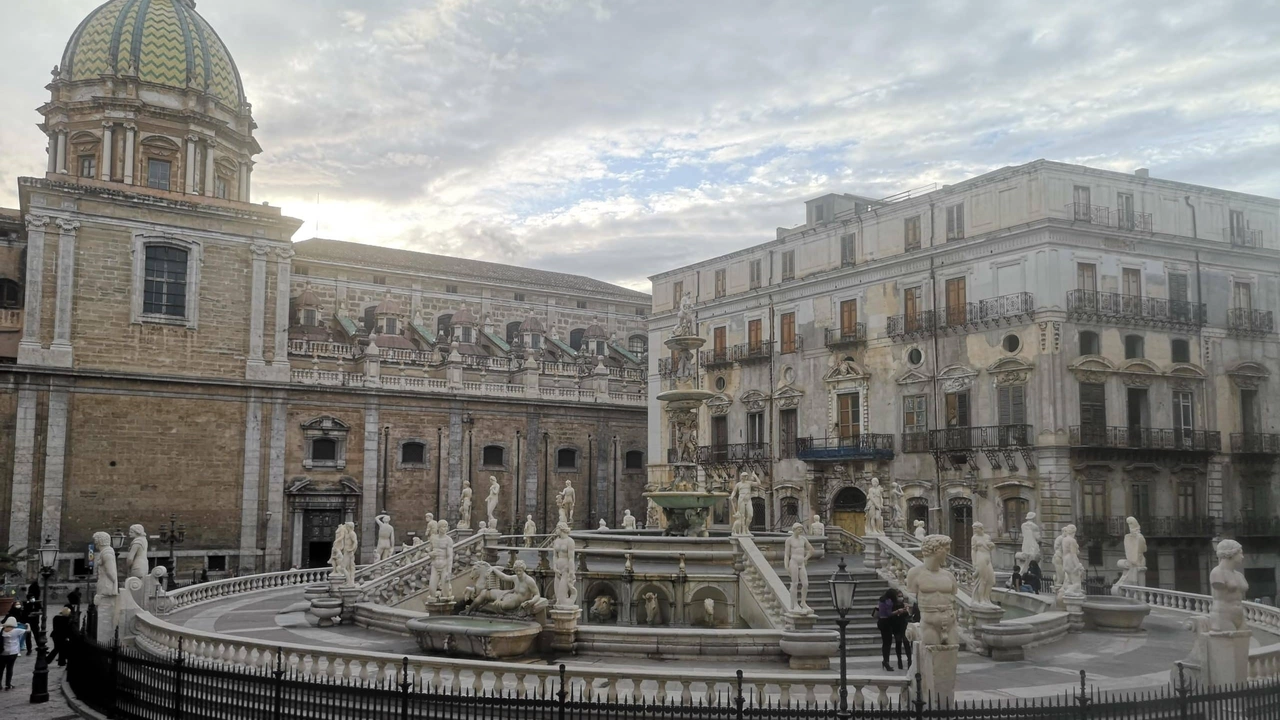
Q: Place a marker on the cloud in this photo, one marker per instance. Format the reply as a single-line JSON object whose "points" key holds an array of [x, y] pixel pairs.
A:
{"points": [[618, 139]]}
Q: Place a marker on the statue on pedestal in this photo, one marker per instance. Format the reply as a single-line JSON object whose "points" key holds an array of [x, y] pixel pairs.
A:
{"points": [[935, 588], [875, 508], [565, 502], [137, 560], [1030, 540], [797, 552], [440, 581], [984, 572], [816, 528], [1072, 568], [652, 515], [343, 555], [464, 507], [104, 567], [1135, 555], [1228, 587], [740, 509], [530, 530], [564, 563], [897, 506], [684, 317], [603, 525], [1059, 575], [628, 520], [919, 531], [491, 502], [386, 536]]}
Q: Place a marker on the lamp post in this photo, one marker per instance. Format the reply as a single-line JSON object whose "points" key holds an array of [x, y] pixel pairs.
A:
{"points": [[842, 586], [40, 676], [173, 534]]}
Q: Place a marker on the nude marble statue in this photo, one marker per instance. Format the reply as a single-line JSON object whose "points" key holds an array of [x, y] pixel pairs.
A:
{"points": [[797, 552], [491, 501], [386, 537], [1228, 587], [984, 572], [464, 507], [875, 508], [564, 563], [935, 588]]}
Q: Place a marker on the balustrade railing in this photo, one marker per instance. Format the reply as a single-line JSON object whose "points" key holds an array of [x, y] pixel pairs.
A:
{"points": [[322, 349], [845, 336], [715, 357], [329, 378], [1252, 443], [202, 592], [793, 345], [910, 325], [10, 318], [1244, 321], [751, 352], [1140, 438], [1084, 212], [734, 454], [1119, 308]]}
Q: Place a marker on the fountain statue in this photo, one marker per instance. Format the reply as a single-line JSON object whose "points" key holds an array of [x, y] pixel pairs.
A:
{"points": [[564, 502], [920, 532], [1072, 568], [343, 555], [386, 536], [1228, 586], [564, 563], [875, 508], [530, 530], [652, 612], [935, 588], [491, 501], [797, 552], [628, 520], [1030, 541], [816, 528], [897, 506], [464, 507], [740, 510], [440, 581], [984, 572], [492, 596], [104, 568], [137, 559]]}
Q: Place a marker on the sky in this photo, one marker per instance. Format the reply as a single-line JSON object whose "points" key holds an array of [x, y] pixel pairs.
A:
{"points": [[621, 138]]}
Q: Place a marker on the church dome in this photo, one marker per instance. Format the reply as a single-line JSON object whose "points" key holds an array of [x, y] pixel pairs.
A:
{"points": [[164, 42]]}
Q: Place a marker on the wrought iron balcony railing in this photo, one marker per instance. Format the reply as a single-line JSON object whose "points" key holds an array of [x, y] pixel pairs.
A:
{"points": [[1131, 221], [962, 316], [863, 446], [1091, 528], [1134, 309], [734, 454], [715, 357], [1253, 525], [751, 352], [846, 336], [977, 438], [911, 325], [1084, 212], [1255, 443], [1140, 438], [1243, 237], [794, 345], [1106, 217], [1244, 321]]}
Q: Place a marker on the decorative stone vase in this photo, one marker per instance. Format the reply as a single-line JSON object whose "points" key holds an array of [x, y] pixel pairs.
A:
{"points": [[325, 609], [316, 590], [1108, 613], [810, 649]]}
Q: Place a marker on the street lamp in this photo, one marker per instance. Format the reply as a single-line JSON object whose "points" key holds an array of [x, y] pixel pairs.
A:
{"points": [[173, 534], [40, 677], [842, 586]]}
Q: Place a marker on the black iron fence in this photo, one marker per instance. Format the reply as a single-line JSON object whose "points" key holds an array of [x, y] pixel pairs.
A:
{"points": [[127, 685], [958, 316], [1106, 217], [1259, 526], [1118, 307], [1140, 438], [983, 436], [1250, 322], [749, 352], [715, 357]]}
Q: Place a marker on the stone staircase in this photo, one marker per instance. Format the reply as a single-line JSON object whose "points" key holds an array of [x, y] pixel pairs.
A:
{"points": [[863, 637]]}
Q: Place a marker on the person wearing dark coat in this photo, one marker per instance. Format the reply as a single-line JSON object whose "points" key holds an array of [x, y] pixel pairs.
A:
{"points": [[60, 634], [1034, 577]]}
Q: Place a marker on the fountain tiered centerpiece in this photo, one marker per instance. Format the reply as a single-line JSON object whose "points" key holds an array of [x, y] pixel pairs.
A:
{"points": [[686, 501]]}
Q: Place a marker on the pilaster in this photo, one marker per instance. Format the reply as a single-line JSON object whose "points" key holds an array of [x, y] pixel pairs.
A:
{"points": [[369, 484], [209, 147], [55, 457], [131, 132], [30, 347], [60, 349], [280, 348], [251, 483], [62, 152], [24, 463], [106, 151], [189, 177], [257, 307]]}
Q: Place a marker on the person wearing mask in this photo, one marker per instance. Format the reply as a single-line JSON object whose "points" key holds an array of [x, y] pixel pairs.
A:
{"points": [[888, 612], [1034, 576], [61, 635], [905, 614], [11, 637]]}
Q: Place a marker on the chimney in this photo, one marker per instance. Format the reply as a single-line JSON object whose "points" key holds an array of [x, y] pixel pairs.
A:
{"points": [[1142, 173]]}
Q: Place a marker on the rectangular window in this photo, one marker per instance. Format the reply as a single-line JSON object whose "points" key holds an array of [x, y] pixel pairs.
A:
{"points": [[958, 409], [1125, 219], [848, 246], [519, 297], [220, 188], [1183, 419], [158, 174], [1093, 412], [911, 233], [379, 279], [754, 270], [1179, 307], [641, 312], [720, 431], [1011, 405], [1140, 500], [310, 317], [1239, 230], [787, 321], [1242, 296], [389, 326], [755, 428], [88, 166], [1095, 500], [677, 292], [753, 335], [1249, 411], [720, 283], [848, 318], [451, 289], [582, 304], [1015, 512], [1132, 281], [1136, 418], [850, 419], [955, 222], [957, 303], [915, 418], [165, 291], [1086, 276], [911, 308], [1082, 203], [788, 423], [789, 265], [1187, 501], [718, 341]]}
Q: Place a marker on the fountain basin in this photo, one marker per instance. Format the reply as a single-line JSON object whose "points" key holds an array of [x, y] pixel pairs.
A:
{"points": [[480, 637], [684, 399], [1109, 613]]}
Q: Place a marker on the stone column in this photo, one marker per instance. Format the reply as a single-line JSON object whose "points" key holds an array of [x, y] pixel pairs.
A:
{"points": [[190, 174], [52, 152], [257, 307], [369, 484], [29, 347], [296, 548], [242, 188], [281, 346], [208, 167], [131, 132], [54, 463], [275, 484], [106, 151], [250, 486], [60, 349], [24, 463], [248, 179], [62, 152]]}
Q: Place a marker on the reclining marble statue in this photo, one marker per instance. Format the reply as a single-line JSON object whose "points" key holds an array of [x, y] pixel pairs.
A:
{"points": [[493, 595]]}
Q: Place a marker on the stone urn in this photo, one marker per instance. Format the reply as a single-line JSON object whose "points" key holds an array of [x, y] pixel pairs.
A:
{"points": [[810, 649], [325, 609], [1110, 613], [316, 590], [1006, 640]]}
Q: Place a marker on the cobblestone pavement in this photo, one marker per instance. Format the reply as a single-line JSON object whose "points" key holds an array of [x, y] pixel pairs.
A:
{"points": [[16, 703]]}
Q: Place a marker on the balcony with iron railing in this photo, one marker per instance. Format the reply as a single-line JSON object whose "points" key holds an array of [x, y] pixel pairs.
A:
{"points": [[1253, 443], [752, 352], [734, 454], [1243, 237], [1253, 524], [794, 345], [1159, 526], [1102, 216], [846, 336], [961, 317], [1119, 309], [715, 357], [1246, 321], [967, 438], [1142, 438], [863, 446]]}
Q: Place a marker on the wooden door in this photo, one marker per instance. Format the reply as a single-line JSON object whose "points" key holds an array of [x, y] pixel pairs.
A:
{"points": [[1093, 413], [720, 439], [718, 342], [1086, 276], [318, 527], [848, 318], [848, 510], [753, 335], [788, 324], [961, 529], [911, 308], [956, 301]]}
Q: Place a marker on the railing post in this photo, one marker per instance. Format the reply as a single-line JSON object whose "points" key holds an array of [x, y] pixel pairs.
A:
{"points": [[1183, 691], [114, 673], [279, 688], [740, 700], [919, 701], [1082, 700], [563, 694], [404, 688], [177, 683]]}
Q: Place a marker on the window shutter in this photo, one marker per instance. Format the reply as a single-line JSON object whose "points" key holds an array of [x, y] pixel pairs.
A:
{"points": [[1017, 406], [1003, 406], [962, 409], [1177, 287]]}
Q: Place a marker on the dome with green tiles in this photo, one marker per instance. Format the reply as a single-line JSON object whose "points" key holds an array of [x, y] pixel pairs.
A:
{"points": [[159, 41]]}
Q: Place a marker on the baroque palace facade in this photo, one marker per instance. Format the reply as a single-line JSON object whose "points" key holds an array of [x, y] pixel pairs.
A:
{"points": [[1049, 338], [166, 349]]}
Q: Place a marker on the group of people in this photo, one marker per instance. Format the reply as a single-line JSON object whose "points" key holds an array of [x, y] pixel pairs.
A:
{"points": [[1030, 581], [893, 613], [16, 631]]}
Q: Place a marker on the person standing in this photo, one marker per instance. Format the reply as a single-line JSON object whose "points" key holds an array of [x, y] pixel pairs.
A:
{"points": [[60, 635], [10, 643], [904, 614], [888, 612]]}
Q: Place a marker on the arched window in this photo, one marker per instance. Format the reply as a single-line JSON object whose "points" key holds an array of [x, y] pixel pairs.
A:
{"points": [[566, 459], [633, 460], [10, 294], [1180, 349], [637, 344], [324, 450], [790, 514], [1132, 347], [444, 324], [413, 453], [493, 456], [575, 338], [1089, 343], [513, 332]]}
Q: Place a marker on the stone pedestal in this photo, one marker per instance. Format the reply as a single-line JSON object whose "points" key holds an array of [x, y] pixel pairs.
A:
{"points": [[350, 595], [107, 618], [1074, 605], [872, 557], [938, 672], [564, 628], [984, 615], [1227, 655], [440, 606]]}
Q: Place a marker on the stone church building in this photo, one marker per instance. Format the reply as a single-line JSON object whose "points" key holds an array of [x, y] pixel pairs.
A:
{"points": [[167, 350]]}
